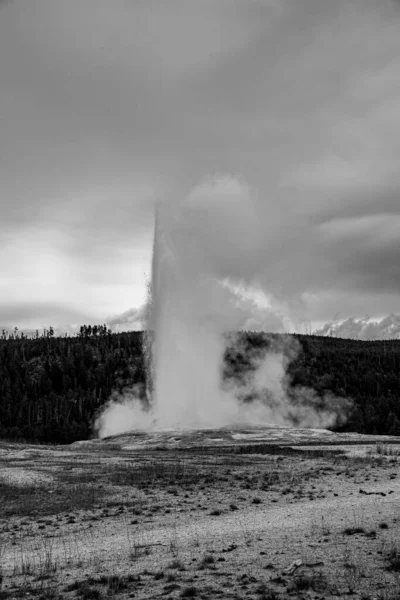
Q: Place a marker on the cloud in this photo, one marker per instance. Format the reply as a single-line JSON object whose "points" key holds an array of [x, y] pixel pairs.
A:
{"points": [[29, 315], [387, 328], [105, 107]]}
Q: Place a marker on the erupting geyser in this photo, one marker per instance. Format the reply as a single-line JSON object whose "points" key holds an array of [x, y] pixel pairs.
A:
{"points": [[198, 244], [186, 344]]}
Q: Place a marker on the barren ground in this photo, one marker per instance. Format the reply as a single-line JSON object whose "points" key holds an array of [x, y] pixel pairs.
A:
{"points": [[261, 514]]}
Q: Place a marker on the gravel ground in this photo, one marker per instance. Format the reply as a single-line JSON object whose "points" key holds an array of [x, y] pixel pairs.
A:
{"points": [[85, 523]]}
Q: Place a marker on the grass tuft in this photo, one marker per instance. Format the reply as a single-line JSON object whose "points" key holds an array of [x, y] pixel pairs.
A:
{"points": [[189, 592], [353, 530]]}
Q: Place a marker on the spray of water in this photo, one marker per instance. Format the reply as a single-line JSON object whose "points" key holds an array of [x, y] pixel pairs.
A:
{"points": [[193, 302]]}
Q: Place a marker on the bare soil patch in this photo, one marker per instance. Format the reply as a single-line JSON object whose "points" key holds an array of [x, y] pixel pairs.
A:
{"points": [[185, 518]]}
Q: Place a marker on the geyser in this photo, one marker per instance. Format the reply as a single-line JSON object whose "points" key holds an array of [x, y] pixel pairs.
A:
{"points": [[187, 347], [192, 305]]}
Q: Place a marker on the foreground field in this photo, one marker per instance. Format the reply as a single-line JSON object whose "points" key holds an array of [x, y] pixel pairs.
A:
{"points": [[101, 521]]}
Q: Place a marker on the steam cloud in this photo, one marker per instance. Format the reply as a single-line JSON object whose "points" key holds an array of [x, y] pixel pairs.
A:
{"points": [[133, 318], [198, 294]]}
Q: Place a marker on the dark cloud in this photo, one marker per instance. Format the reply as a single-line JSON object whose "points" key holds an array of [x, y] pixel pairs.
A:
{"points": [[105, 107]]}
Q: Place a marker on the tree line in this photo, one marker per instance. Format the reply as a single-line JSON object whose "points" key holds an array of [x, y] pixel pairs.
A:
{"points": [[51, 388]]}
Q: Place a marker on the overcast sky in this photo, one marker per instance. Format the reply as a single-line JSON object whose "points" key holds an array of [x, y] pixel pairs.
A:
{"points": [[107, 105]]}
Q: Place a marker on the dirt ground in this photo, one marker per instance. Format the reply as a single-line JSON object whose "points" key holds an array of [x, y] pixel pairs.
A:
{"points": [[109, 520]]}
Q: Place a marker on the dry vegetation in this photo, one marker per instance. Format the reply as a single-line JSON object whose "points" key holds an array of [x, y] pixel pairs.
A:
{"points": [[106, 523]]}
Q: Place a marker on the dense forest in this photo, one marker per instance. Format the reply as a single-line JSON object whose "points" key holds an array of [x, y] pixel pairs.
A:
{"points": [[52, 387]]}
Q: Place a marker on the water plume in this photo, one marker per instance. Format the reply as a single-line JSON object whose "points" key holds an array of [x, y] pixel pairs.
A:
{"points": [[196, 296]]}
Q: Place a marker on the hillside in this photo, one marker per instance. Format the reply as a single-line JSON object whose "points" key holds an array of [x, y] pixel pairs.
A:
{"points": [[51, 388]]}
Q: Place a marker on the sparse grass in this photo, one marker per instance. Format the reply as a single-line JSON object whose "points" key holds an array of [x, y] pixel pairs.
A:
{"points": [[137, 550], [152, 472], [393, 558], [269, 594], [207, 561], [87, 592], [176, 564], [385, 449], [314, 581], [171, 587], [353, 530], [196, 483], [41, 564], [113, 584], [159, 575], [44, 499], [189, 592]]}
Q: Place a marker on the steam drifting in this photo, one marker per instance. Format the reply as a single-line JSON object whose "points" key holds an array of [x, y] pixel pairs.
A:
{"points": [[198, 295]]}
